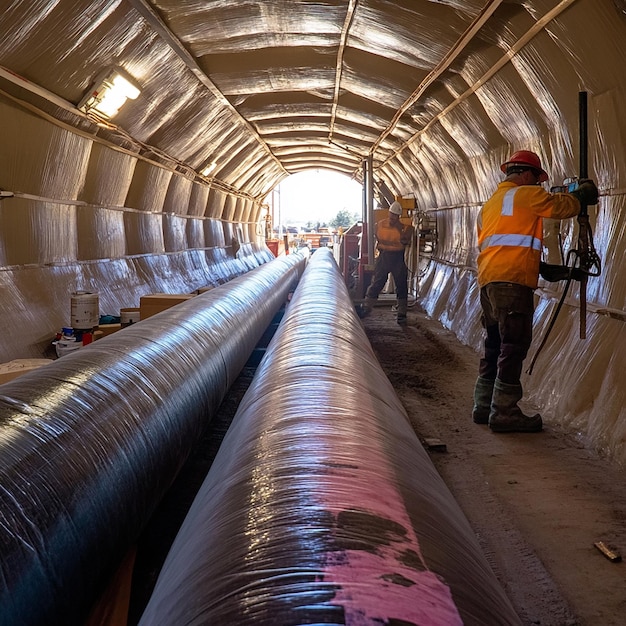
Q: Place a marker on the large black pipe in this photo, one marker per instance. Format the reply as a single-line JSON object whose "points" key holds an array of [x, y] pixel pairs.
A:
{"points": [[90, 443], [321, 506]]}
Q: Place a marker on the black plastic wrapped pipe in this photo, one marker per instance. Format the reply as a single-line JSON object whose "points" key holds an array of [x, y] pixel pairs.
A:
{"points": [[90, 443], [321, 506]]}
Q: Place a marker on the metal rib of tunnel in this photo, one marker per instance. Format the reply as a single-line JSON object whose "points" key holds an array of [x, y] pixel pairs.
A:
{"points": [[90, 443], [321, 505]]}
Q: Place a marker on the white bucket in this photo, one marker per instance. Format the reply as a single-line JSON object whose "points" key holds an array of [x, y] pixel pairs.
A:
{"points": [[85, 310], [129, 316]]}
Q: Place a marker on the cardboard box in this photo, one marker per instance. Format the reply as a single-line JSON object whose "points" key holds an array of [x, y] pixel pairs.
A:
{"points": [[155, 303], [105, 329], [17, 367]]}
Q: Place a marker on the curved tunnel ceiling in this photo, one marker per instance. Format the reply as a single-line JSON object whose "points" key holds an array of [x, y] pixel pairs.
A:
{"points": [[264, 89]]}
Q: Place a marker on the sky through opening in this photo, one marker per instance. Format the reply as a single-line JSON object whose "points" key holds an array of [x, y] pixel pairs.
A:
{"points": [[314, 196]]}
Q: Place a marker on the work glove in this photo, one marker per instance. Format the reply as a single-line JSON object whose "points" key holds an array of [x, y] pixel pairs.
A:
{"points": [[587, 192]]}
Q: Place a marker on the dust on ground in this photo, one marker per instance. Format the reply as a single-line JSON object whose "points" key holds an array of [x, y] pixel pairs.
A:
{"points": [[537, 502]]}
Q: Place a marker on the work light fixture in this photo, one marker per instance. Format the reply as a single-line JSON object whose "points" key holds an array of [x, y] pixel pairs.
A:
{"points": [[109, 92], [208, 168]]}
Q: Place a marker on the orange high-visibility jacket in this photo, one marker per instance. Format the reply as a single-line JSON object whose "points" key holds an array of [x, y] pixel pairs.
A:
{"points": [[510, 231], [392, 238]]}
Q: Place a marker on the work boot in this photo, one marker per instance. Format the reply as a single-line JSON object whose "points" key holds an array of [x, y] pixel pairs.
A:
{"points": [[401, 308], [506, 416], [367, 306], [483, 390]]}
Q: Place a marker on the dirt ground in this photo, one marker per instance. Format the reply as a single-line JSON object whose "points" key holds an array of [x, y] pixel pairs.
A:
{"points": [[537, 502]]}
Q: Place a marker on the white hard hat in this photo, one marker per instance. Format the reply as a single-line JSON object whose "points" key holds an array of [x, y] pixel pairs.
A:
{"points": [[396, 208]]}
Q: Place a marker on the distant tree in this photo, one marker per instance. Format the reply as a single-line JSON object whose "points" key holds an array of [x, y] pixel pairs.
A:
{"points": [[344, 219]]}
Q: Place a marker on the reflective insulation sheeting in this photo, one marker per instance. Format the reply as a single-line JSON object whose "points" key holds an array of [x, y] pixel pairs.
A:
{"points": [[90, 443], [321, 506], [89, 217]]}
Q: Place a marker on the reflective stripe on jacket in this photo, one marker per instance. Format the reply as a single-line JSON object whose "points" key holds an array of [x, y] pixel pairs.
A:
{"points": [[389, 237], [510, 231]]}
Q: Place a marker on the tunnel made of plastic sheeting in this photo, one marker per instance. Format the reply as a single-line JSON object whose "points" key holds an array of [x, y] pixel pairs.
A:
{"points": [[90, 443], [236, 96], [322, 507]]}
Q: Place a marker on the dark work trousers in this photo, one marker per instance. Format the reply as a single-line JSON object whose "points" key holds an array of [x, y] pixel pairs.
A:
{"points": [[389, 263], [508, 320]]}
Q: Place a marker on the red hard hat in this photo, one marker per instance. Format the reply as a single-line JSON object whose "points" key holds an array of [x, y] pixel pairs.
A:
{"points": [[526, 157]]}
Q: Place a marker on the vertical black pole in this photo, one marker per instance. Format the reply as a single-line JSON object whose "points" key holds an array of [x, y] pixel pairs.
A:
{"points": [[583, 138], [583, 217]]}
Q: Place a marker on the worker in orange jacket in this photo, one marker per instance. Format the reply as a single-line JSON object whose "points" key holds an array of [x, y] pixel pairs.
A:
{"points": [[392, 236], [510, 241]]}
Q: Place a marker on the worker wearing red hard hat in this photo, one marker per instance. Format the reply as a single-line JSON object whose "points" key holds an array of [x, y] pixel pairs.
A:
{"points": [[510, 241], [391, 238], [526, 158]]}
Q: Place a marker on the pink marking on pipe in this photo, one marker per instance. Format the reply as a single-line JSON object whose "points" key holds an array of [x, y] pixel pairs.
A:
{"points": [[377, 585], [369, 593]]}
